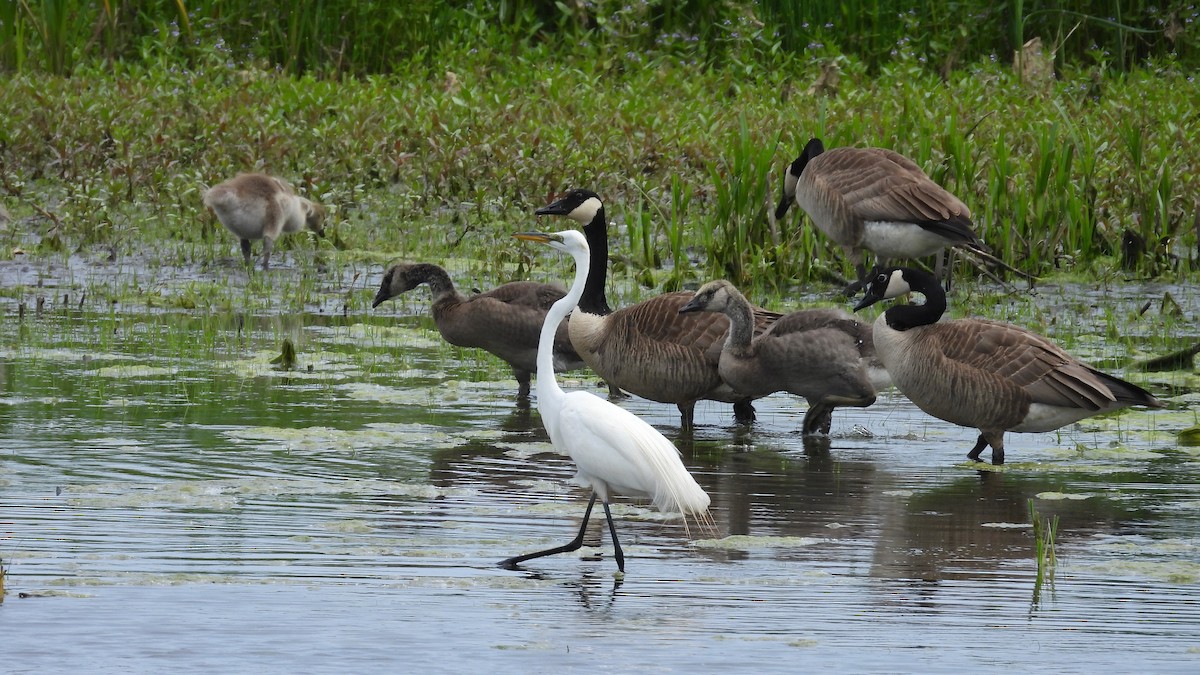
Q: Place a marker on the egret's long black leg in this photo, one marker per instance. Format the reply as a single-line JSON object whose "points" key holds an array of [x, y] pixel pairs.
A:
{"points": [[612, 529], [574, 545]]}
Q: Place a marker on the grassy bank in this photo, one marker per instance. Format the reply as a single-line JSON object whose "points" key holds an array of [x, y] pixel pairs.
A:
{"points": [[689, 158]]}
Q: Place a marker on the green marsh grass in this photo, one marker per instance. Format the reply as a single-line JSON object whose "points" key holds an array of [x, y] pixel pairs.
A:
{"points": [[689, 157]]}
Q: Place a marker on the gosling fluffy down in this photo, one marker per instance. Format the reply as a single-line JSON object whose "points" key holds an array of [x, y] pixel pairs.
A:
{"points": [[258, 206]]}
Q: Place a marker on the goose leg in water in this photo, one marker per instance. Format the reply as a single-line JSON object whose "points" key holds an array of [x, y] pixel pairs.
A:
{"points": [[997, 443], [743, 411], [522, 383], [246, 250], [818, 419]]}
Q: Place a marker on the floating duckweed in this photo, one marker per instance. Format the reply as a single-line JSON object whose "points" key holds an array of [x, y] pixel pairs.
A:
{"points": [[223, 495], [1172, 571], [745, 541], [366, 391], [1061, 496], [128, 370], [527, 450], [350, 526], [328, 439]]}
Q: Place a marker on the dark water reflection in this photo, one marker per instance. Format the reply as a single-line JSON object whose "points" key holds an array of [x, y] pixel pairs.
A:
{"points": [[209, 513]]}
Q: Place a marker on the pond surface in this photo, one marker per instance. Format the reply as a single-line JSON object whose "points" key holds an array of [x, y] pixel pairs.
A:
{"points": [[169, 500]]}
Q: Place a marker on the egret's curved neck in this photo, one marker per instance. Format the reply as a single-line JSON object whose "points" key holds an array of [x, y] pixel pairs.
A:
{"points": [[903, 317], [558, 311], [593, 300]]}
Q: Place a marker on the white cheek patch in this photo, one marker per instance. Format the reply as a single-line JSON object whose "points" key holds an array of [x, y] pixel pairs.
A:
{"points": [[586, 211], [900, 240], [897, 286]]}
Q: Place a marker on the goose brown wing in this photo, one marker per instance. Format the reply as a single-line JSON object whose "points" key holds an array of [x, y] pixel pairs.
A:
{"points": [[526, 293], [1043, 370], [881, 185]]}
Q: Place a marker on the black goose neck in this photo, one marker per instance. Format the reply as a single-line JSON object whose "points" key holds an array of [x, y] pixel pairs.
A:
{"points": [[593, 300], [904, 317]]}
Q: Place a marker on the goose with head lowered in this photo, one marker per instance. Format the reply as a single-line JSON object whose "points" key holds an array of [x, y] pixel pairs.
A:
{"points": [[822, 355], [648, 349], [878, 200], [615, 451], [258, 206], [505, 321], [993, 376]]}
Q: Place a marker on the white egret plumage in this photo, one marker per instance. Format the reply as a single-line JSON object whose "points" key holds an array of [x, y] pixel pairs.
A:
{"points": [[614, 450]]}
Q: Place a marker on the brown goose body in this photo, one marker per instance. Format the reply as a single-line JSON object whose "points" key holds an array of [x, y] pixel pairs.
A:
{"points": [[818, 354], [505, 321], [258, 206], [878, 200], [648, 349], [993, 376]]}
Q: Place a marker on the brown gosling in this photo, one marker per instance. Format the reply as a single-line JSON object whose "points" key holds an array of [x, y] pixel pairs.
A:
{"points": [[505, 321], [258, 206], [818, 354]]}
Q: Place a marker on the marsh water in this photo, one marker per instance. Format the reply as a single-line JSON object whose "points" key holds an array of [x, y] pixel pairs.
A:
{"points": [[172, 500]]}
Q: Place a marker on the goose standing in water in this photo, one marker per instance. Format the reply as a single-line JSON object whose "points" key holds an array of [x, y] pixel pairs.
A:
{"points": [[258, 206], [614, 450], [877, 200], [648, 349], [822, 355], [993, 376], [505, 321]]}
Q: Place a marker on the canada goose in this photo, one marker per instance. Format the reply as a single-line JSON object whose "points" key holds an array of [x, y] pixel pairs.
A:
{"points": [[504, 321], [648, 349], [813, 353], [258, 206], [875, 199], [993, 376], [615, 450]]}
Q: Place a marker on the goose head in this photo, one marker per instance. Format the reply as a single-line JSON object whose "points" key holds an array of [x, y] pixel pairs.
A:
{"points": [[314, 217], [886, 284], [399, 278], [813, 149], [579, 205], [715, 296]]}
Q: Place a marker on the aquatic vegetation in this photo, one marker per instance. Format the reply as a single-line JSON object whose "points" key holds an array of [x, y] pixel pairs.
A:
{"points": [[1044, 532]]}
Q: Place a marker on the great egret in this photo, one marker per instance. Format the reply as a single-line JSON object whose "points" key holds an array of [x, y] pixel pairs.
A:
{"points": [[878, 200], [993, 376], [614, 450], [505, 321]]}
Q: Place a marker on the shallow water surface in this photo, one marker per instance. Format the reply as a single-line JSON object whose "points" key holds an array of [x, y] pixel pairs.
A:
{"points": [[192, 508]]}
